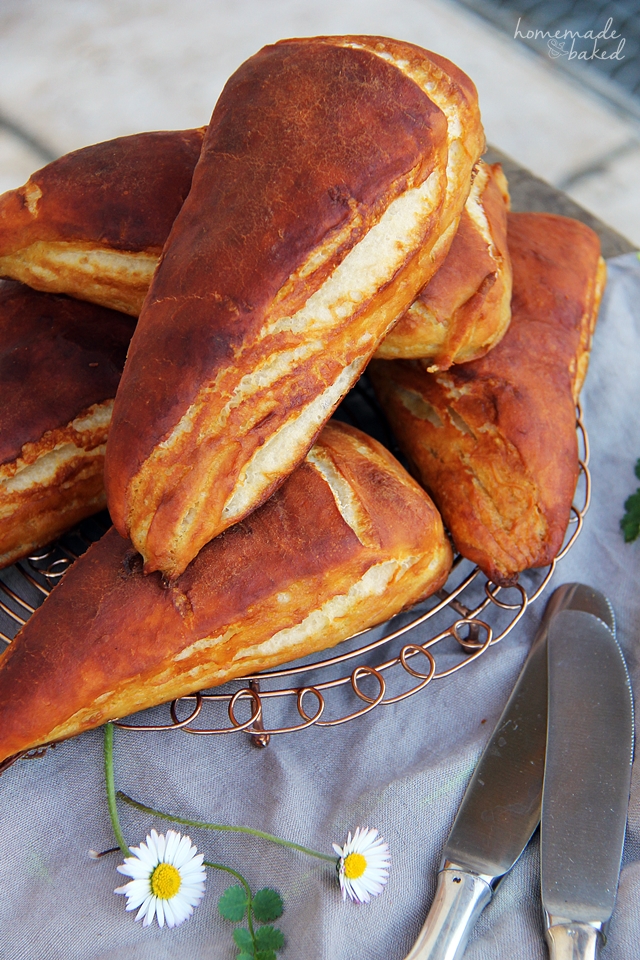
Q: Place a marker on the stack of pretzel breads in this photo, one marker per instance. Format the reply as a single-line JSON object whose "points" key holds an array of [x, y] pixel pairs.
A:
{"points": [[334, 214]]}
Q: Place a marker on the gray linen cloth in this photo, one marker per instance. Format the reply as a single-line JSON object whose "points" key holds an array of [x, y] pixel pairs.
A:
{"points": [[402, 769]]}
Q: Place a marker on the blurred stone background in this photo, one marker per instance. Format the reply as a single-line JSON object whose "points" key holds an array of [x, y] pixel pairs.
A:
{"points": [[74, 72]]}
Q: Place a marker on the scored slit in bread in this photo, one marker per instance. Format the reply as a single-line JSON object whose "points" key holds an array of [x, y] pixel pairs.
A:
{"points": [[346, 542], [53, 484]]}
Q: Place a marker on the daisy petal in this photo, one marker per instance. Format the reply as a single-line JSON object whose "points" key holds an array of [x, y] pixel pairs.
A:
{"points": [[173, 842], [136, 870], [146, 854], [193, 874], [168, 913], [181, 910], [161, 845], [184, 852], [142, 912], [137, 895]]}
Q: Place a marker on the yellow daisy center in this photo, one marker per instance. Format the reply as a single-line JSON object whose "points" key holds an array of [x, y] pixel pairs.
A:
{"points": [[165, 881], [354, 866]]}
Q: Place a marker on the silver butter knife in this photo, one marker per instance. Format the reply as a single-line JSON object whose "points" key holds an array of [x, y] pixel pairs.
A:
{"points": [[501, 807], [586, 783]]}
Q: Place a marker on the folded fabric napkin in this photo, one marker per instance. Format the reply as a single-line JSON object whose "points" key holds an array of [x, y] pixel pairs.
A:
{"points": [[402, 769]]}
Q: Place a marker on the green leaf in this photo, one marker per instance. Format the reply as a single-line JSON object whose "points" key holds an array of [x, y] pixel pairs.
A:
{"points": [[233, 903], [268, 938], [243, 940], [245, 956], [637, 469], [267, 905], [630, 523]]}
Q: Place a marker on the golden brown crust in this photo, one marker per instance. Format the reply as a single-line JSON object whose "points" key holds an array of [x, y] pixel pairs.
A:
{"points": [[347, 541], [92, 224], [494, 441], [60, 363], [320, 204], [465, 308], [33, 517]]}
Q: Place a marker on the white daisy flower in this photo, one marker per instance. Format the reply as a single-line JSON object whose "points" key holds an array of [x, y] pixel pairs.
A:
{"points": [[363, 867], [168, 879]]}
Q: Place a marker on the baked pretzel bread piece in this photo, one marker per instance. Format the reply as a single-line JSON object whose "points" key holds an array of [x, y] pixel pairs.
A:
{"points": [[456, 317], [328, 190], [494, 441], [348, 540], [92, 224], [60, 363], [465, 309]]}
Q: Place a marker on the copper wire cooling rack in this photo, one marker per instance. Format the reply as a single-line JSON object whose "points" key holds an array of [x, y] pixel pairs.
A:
{"points": [[374, 668]]}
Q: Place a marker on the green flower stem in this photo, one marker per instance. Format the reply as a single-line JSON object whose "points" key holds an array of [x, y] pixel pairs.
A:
{"points": [[111, 789], [219, 826], [238, 876]]}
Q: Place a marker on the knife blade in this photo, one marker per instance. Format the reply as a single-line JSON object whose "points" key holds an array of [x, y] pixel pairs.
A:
{"points": [[501, 807], [586, 784]]}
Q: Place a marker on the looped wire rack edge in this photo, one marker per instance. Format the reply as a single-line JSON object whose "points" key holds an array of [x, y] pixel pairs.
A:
{"points": [[376, 667]]}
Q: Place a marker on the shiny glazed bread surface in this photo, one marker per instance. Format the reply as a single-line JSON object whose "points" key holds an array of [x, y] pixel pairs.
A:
{"points": [[494, 441], [328, 190], [60, 363], [92, 224], [456, 317], [465, 308], [347, 541]]}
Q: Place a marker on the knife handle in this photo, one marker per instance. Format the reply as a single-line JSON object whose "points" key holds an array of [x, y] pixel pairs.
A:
{"points": [[574, 941], [460, 898]]}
